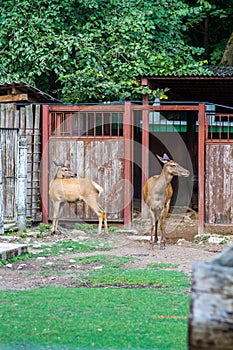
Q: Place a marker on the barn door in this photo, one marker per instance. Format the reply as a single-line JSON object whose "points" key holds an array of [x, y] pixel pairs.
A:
{"points": [[9, 154], [99, 160]]}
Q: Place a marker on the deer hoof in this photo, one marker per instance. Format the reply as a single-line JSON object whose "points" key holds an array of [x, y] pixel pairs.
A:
{"points": [[162, 247]]}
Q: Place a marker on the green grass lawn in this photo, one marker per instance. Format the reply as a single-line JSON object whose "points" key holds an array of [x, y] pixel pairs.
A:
{"points": [[98, 318], [122, 308]]}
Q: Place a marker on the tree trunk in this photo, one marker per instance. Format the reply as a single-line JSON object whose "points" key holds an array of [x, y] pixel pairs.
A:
{"points": [[227, 58], [211, 310]]}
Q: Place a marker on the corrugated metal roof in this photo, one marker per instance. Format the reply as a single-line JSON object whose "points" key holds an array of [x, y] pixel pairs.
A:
{"points": [[35, 95], [215, 87], [204, 72], [222, 71]]}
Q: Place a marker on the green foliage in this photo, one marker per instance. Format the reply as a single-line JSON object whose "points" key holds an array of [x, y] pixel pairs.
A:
{"points": [[93, 50], [15, 259], [85, 227], [84, 318], [44, 227], [211, 27]]}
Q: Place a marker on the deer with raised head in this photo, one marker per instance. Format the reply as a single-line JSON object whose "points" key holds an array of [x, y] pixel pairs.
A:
{"points": [[157, 193], [66, 187]]}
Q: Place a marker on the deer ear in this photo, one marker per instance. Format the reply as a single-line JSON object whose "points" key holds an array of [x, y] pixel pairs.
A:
{"points": [[67, 163], [163, 159], [59, 163]]}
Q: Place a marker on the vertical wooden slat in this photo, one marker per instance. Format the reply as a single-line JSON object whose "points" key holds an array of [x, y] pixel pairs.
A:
{"points": [[219, 183], [3, 115], [21, 194], [226, 184], [29, 137], [9, 144], [23, 121], [36, 163], [16, 119], [9, 122]]}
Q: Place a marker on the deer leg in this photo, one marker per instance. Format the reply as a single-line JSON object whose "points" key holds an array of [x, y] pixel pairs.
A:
{"points": [[105, 223], [56, 207], [156, 232], [92, 203], [163, 231], [162, 223], [152, 228], [102, 217]]}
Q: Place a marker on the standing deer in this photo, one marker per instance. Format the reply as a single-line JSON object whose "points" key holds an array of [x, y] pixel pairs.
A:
{"points": [[66, 187], [157, 194]]}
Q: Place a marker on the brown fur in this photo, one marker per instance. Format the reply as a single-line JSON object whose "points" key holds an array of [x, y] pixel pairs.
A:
{"points": [[67, 188], [157, 193]]}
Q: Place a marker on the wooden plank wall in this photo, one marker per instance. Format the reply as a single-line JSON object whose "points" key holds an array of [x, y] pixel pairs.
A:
{"points": [[9, 150], [99, 160], [219, 184], [28, 120]]}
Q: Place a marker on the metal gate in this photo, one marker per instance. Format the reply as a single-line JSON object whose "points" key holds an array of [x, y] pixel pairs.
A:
{"points": [[93, 140]]}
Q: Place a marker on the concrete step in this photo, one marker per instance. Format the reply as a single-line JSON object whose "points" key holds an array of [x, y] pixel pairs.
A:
{"points": [[10, 250]]}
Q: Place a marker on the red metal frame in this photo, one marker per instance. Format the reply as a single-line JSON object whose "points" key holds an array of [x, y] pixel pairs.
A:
{"points": [[127, 108], [44, 162], [47, 134], [201, 149], [127, 163], [201, 168]]}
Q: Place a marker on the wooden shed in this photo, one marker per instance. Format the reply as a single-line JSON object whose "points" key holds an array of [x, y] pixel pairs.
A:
{"points": [[20, 123]]}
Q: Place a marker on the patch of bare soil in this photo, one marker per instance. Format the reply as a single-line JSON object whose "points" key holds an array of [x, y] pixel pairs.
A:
{"points": [[41, 272]]}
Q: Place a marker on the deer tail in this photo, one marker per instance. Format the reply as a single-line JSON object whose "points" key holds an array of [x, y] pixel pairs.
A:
{"points": [[98, 187]]}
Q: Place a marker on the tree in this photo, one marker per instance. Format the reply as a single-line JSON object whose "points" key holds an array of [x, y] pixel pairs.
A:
{"points": [[95, 50], [212, 27], [227, 59]]}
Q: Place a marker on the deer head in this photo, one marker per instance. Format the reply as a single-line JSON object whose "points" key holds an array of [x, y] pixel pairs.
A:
{"points": [[64, 171], [172, 167]]}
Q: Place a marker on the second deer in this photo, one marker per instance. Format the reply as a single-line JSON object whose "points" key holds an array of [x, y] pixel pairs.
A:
{"points": [[157, 193], [66, 187]]}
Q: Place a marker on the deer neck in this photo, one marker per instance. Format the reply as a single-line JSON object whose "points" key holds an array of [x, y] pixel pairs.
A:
{"points": [[165, 177]]}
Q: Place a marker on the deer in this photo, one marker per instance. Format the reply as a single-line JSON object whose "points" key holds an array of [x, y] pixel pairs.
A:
{"points": [[66, 187], [157, 193]]}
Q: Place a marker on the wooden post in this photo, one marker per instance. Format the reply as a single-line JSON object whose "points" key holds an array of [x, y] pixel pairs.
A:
{"points": [[1, 194], [211, 310], [22, 185]]}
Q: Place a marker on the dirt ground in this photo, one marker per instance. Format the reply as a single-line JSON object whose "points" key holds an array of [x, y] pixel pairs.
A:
{"points": [[182, 248]]}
